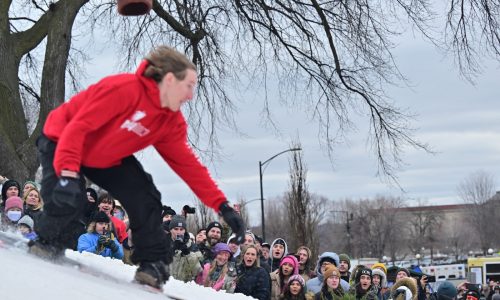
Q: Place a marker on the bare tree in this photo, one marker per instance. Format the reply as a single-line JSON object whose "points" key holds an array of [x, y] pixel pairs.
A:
{"points": [[23, 27], [242, 208], [422, 227], [478, 189], [204, 215], [276, 220]]}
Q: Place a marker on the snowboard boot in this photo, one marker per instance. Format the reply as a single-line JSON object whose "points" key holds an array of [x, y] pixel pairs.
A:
{"points": [[154, 274], [41, 249]]}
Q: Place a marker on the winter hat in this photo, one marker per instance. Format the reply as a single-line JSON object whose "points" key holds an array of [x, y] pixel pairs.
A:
{"points": [[345, 257], [291, 260], [363, 271], [26, 220], [177, 221], [402, 293], [259, 239], [447, 291], [330, 271], [280, 241], [214, 224], [298, 278], [12, 202], [9, 183], [100, 216], [404, 270], [92, 193], [32, 183], [219, 247], [383, 276], [380, 266], [266, 245]]}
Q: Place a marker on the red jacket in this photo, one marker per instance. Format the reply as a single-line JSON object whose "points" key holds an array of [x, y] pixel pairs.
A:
{"points": [[121, 229], [119, 116]]}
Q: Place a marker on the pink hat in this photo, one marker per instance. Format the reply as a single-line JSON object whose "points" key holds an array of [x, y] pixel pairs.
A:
{"points": [[293, 261], [12, 202]]}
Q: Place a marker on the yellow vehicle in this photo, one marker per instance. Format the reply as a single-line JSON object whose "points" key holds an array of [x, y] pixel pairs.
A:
{"points": [[484, 268]]}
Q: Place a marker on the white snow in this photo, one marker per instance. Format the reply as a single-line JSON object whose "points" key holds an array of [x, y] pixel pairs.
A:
{"points": [[23, 276]]}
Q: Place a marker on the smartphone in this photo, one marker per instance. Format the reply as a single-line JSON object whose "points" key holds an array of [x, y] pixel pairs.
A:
{"points": [[179, 237]]}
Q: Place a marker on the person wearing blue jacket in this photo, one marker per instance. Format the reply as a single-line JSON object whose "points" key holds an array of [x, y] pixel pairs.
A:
{"points": [[99, 239], [314, 285]]}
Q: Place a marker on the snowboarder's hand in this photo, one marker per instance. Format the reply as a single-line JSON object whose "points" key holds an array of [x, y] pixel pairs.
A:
{"points": [[234, 221], [66, 195]]}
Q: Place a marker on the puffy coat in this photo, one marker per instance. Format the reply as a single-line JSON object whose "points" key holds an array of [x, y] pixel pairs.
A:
{"points": [[185, 267], [254, 282]]}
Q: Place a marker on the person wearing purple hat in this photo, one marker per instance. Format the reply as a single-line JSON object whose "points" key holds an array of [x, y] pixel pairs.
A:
{"points": [[220, 274]]}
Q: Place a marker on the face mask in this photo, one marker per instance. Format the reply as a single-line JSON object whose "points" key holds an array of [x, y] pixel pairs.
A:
{"points": [[14, 216]]}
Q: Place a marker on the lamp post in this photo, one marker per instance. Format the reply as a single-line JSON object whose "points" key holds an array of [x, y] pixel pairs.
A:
{"points": [[417, 256], [262, 164]]}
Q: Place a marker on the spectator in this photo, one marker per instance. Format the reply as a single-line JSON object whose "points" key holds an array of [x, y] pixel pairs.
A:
{"points": [[331, 288], [279, 249], [167, 213], [26, 226], [404, 289], [252, 280], [12, 213], [28, 185], [379, 280], [266, 253], [120, 213], [305, 263], [221, 273], [99, 239], [9, 188], [325, 259], [106, 204], [344, 266], [288, 266], [445, 291], [214, 234], [33, 202], [363, 287], [294, 289], [235, 249], [185, 264]]}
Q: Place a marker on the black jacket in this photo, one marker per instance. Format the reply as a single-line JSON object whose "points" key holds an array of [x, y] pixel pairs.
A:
{"points": [[253, 281]]}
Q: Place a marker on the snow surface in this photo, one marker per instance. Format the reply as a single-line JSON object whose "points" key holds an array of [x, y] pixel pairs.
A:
{"points": [[26, 277]]}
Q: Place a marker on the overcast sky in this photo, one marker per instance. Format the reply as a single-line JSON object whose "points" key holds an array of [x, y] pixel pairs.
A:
{"points": [[459, 121]]}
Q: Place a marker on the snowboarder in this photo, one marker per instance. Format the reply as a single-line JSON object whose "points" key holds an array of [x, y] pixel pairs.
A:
{"points": [[96, 133]]}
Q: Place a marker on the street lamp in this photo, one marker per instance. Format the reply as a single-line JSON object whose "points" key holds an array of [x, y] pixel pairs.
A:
{"points": [[490, 251], [417, 256], [261, 164]]}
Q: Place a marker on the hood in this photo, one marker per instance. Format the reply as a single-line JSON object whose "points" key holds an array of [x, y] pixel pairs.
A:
{"points": [[271, 250], [406, 282], [331, 255], [149, 84], [383, 282]]}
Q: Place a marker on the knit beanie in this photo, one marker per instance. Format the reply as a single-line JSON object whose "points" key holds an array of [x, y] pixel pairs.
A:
{"points": [[6, 185], [167, 210], [297, 278], [27, 220], [219, 247], [330, 271], [346, 258], [214, 224], [100, 217], [446, 291], [12, 202], [177, 221], [363, 271], [380, 266], [403, 270], [327, 259], [291, 260]]}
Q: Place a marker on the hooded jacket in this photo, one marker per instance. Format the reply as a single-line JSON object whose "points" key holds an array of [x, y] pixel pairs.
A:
{"points": [[275, 262], [115, 118], [314, 285]]}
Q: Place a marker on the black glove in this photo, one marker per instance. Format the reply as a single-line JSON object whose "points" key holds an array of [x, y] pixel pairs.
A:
{"points": [[111, 245], [66, 196], [102, 240], [234, 221], [180, 245]]}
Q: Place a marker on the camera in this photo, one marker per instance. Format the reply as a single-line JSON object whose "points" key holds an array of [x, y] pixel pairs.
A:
{"points": [[179, 237], [189, 210]]}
